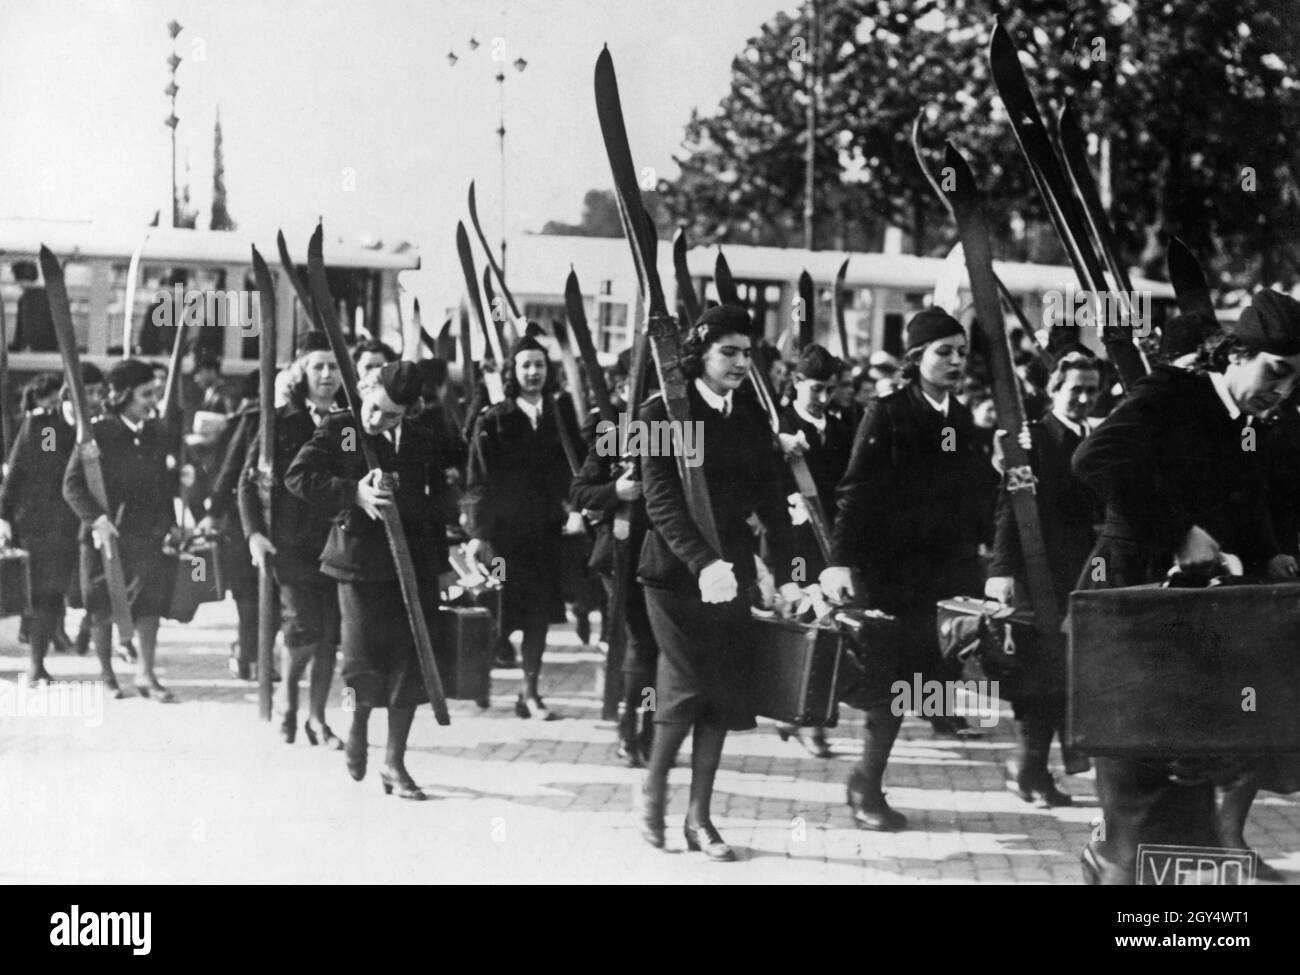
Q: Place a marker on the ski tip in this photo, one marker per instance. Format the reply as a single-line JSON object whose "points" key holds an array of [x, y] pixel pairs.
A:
{"points": [[954, 160], [416, 305]]}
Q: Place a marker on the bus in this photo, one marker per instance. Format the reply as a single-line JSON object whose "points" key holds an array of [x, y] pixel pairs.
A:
{"points": [[363, 281]]}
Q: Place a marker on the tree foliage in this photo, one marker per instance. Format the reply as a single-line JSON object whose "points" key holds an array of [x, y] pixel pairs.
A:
{"points": [[1195, 104], [220, 217]]}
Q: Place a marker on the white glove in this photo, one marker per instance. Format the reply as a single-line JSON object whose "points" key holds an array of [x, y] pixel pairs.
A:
{"points": [[798, 509], [836, 582], [6, 532], [1000, 588], [718, 582], [573, 525], [793, 443]]}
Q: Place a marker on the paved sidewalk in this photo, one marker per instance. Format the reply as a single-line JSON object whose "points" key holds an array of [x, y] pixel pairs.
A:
{"points": [[202, 792]]}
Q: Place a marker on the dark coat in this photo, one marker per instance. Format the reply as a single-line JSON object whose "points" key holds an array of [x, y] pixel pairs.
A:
{"points": [[1068, 512], [745, 476], [31, 500], [299, 530], [1279, 448], [827, 457], [592, 490], [1069, 515], [1168, 458], [516, 486], [140, 490], [325, 473], [911, 512]]}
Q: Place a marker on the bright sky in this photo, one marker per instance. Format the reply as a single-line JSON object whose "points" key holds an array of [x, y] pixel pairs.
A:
{"points": [[319, 95]]}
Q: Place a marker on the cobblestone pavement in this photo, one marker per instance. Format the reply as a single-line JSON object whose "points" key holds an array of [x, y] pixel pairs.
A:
{"points": [[201, 791]]}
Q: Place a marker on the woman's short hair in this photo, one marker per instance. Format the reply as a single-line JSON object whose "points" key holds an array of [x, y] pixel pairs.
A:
{"points": [[1217, 349], [38, 388], [1071, 361]]}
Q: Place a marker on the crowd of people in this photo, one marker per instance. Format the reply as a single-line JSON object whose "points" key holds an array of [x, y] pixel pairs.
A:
{"points": [[906, 455]]}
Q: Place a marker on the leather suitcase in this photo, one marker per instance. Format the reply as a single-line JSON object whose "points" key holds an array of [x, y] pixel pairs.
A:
{"points": [[1185, 672], [15, 582], [803, 670], [463, 649], [197, 579]]}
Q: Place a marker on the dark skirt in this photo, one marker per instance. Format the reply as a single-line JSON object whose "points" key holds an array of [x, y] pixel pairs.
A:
{"points": [[706, 657], [53, 559], [146, 569], [532, 563], [379, 662]]}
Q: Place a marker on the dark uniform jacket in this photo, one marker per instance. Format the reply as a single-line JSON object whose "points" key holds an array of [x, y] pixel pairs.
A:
{"points": [[911, 511], [593, 490], [827, 457], [1168, 458], [744, 475], [1068, 512], [31, 500], [139, 485], [299, 530], [325, 474], [518, 477]]}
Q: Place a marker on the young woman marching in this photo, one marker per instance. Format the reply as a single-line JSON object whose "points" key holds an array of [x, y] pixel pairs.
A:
{"points": [[516, 487], [908, 529], [380, 668], [32, 515], [699, 599], [133, 454]]}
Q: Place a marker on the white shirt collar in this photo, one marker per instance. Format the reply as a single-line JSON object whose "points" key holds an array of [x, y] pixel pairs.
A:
{"points": [[531, 410], [720, 403], [817, 422], [1221, 387], [394, 436], [135, 428], [941, 405]]}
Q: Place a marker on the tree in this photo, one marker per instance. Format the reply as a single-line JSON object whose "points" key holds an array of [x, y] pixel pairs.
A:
{"points": [[600, 216], [220, 219], [1193, 104]]}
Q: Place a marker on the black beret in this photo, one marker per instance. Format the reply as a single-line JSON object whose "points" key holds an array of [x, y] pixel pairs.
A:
{"points": [[1184, 333], [313, 340], [91, 374], [1270, 324], [402, 382], [128, 374], [815, 362], [727, 318], [931, 325], [527, 344]]}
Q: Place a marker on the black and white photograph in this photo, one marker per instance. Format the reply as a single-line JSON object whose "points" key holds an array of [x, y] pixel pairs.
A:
{"points": [[693, 442]]}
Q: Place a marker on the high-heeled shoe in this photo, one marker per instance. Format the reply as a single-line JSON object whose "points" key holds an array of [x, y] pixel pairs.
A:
{"points": [[705, 837], [540, 710], [356, 758], [38, 678], [649, 812], [289, 727], [629, 752], [324, 735], [155, 691], [402, 782], [521, 709], [814, 743], [112, 687]]}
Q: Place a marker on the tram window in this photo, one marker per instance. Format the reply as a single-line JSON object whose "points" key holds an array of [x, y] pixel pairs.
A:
{"points": [[893, 343]]}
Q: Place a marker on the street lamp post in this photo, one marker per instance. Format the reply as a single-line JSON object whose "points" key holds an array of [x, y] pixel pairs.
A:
{"points": [[519, 64], [171, 121]]}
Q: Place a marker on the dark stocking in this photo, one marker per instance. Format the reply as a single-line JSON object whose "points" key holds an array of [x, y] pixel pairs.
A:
{"points": [[880, 728], [706, 756], [399, 729]]}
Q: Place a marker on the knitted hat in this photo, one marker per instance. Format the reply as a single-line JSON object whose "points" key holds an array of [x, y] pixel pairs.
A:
{"points": [[313, 340], [128, 374]]}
